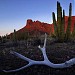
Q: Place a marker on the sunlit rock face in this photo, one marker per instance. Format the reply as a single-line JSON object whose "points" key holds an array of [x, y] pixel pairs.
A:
{"points": [[37, 27], [72, 22]]}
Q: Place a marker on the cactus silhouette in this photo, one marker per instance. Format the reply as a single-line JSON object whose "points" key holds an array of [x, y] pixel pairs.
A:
{"points": [[68, 31], [73, 33], [59, 26], [14, 36], [55, 25]]}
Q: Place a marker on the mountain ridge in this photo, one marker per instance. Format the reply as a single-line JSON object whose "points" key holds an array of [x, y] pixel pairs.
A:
{"points": [[38, 27]]}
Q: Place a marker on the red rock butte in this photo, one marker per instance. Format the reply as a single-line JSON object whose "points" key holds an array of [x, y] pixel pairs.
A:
{"points": [[37, 26], [72, 22]]}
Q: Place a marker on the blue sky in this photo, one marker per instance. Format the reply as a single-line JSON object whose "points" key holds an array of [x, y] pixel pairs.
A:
{"points": [[14, 13]]}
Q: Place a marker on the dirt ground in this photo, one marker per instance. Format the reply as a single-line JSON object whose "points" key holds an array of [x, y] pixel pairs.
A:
{"points": [[56, 52]]}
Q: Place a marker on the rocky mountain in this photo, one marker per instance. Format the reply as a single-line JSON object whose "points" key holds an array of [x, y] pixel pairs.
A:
{"points": [[34, 27], [37, 27], [72, 22]]}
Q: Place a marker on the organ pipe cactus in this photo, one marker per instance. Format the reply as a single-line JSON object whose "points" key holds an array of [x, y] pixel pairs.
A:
{"points": [[14, 36], [73, 33], [55, 25], [59, 26], [68, 31], [62, 28], [59, 19]]}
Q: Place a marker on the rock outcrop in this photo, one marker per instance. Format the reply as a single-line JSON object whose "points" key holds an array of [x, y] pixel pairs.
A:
{"points": [[37, 27]]}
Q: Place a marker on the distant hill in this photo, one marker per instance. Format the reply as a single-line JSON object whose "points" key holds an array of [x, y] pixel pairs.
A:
{"points": [[72, 22], [37, 27]]}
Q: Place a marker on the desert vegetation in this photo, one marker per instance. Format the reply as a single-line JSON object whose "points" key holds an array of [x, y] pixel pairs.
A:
{"points": [[60, 32], [60, 48]]}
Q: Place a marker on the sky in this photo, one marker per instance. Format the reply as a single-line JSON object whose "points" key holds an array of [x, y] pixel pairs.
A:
{"points": [[14, 13]]}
